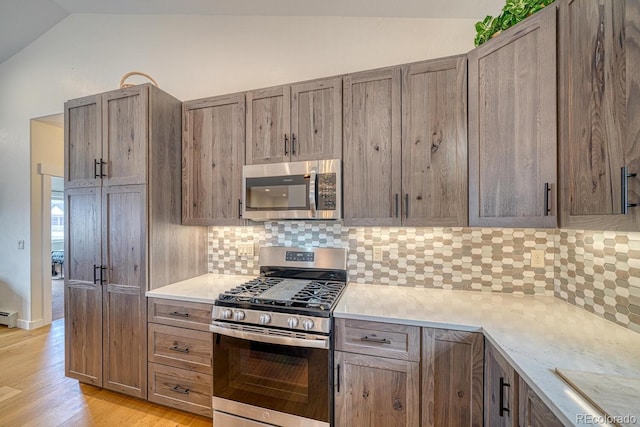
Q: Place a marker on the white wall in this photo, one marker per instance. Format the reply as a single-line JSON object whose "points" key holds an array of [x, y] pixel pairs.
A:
{"points": [[190, 57]]}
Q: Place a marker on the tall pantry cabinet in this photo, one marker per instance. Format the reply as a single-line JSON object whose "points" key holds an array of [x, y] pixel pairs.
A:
{"points": [[122, 230]]}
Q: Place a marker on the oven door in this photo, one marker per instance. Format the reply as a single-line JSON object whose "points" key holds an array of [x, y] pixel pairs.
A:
{"points": [[285, 378]]}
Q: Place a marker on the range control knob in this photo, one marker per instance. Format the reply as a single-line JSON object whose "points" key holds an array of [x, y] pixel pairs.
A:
{"points": [[226, 314], [307, 324], [264, 319], [238, 316], [292, 322]]}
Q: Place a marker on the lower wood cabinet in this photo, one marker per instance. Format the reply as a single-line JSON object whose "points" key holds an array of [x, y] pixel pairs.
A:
{"points": [[532, 410], [452, 378], [180, 358]]}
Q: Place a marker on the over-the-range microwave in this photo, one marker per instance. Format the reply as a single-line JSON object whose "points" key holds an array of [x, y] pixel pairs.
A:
{"points": [[292, 190]]}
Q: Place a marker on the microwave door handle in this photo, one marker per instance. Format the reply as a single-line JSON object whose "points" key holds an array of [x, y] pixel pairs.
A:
{"points": [[312, 192]]}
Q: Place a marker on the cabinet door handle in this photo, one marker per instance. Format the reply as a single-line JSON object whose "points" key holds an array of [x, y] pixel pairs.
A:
{"points": [[406, 205], [624, 190], [397, 207], [293, 144], [338, 378], [239, 209], [375, 340], [547, 193], [103, 275], [286, 145], [102, 174], [95, 169], [95, 274], [180, 389], [179, 349], [503, 384], [178, 314]]}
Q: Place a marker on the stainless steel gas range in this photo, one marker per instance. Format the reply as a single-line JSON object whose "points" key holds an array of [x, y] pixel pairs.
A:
{"points": [[272, 342]]}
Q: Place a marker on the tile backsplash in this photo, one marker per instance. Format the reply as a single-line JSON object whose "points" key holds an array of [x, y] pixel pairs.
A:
{"points": [[598, 271]]}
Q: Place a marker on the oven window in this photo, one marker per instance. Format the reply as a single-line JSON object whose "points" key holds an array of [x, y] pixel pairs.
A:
{"points": [[294, 380], [278, 193]]}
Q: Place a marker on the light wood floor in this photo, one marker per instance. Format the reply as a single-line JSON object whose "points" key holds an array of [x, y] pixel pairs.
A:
{"points": [[35, 392]]}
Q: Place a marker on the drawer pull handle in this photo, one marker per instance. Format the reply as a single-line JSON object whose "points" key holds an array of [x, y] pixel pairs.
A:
{"points": [[179, 349], [179, 314], [375, 340], [180, 389]]}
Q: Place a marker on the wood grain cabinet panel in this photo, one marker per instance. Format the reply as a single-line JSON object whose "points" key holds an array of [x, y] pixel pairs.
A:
{"points": [[513, 126], [213, 145], [452, 378], [533, 411], [184, 314], [268, 125], [378, 339], [434, 143], [375, 391], [371, 150], [501, 386], [599, 54], [117, 231], [179, 347], [181, 389]]}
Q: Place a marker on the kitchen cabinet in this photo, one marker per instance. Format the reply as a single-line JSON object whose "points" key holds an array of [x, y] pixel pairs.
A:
{"points": [[501, 386], [452, 378], [513, 126], [295, 122], [377, 374], [406, 168], [213, 145], [533, 411], [122, 238], [180, 357], [372, 148], [599, 55], [434, 143]]}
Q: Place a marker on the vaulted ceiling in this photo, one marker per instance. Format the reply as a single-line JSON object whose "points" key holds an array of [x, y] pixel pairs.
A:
{"points": [[23, 21]]}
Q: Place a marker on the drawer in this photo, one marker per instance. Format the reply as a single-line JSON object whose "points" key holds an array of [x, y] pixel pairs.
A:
{"points": [[182, 348], [378, 339], [181, 389], [193, 315]]}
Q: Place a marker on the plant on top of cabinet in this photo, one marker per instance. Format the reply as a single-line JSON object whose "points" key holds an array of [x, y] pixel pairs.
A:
{"points": [[513, 12], [213, 146], [599, 54], [512, 126], [295, 122]]}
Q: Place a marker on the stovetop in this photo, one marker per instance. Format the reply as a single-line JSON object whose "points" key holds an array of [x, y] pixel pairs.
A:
{"points": [[281, 292]]}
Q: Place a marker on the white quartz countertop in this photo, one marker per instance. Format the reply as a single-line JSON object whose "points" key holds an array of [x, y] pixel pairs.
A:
{"points": [[536, 334], [205, 288]]}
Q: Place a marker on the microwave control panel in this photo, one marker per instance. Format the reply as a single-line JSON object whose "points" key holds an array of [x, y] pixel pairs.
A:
{"points": [[327, 193]]}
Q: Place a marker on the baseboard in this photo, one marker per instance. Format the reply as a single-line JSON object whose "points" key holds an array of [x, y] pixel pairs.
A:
{"points": [[30, 324]]}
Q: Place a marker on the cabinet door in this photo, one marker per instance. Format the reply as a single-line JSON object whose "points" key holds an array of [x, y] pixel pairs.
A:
{"points": [[512, 126], [316, 120], [83, 290], [125, 135], [124, 305], [371, 151], [213, 155], [598, 135], [434, 143], [452, 378], [268, 125], [374, 391], [533, 411], [500, 390], [83, 142]]}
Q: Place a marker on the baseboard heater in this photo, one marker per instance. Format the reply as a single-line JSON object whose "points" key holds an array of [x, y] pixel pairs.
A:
{"points": [[9, 318]]}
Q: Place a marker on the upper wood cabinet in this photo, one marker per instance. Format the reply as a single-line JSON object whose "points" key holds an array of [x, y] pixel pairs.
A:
{"points": [[295, 122], [106, 138], [452, 378], [371, 150], [599, 57], [213, 144], [434, 143], [513, 126]]}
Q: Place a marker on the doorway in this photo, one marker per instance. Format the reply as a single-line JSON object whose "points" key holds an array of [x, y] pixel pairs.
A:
{"points": [[57, 247]]}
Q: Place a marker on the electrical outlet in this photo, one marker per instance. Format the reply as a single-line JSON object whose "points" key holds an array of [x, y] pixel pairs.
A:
{"points": [[20, 244], [378, 254], [537, 258], [245, 250]]}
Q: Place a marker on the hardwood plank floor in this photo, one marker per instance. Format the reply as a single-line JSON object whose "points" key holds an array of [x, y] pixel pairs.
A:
{"points": [[35, 392]]}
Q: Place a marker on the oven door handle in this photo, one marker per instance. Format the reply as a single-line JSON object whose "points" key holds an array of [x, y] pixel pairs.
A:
{"points": [[313, 175], [321, 342]]}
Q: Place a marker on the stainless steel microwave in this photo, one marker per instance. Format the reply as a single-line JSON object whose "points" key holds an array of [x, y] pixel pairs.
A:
{"points": [[292, 190]]}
